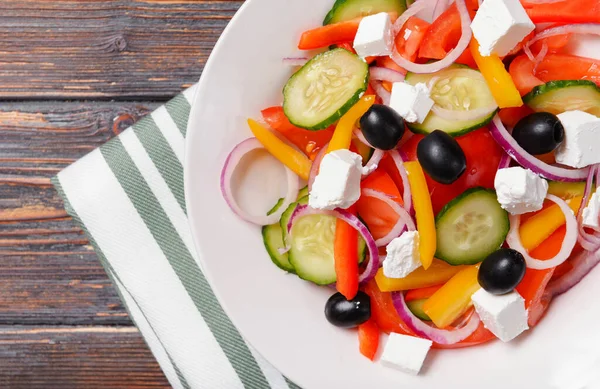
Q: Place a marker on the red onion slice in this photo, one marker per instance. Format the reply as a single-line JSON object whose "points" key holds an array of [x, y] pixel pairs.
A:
{"points": [[405, 221], [528, 161], [385, 74], [590, 242], [440, 7], [583, 28], [583, 264], [354, 222], [514, 240], [383, 94], [373, 162], [451, 57], [435, 334], [407, 196], [504, 162], [232, 161], [414, 9], [314, 168]]}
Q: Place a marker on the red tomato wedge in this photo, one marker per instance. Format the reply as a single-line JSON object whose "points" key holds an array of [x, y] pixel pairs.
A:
{"points": [[310, 142], [567, 11], [383, 311], [483, 156], [444, 33], [377, 215], [410, 37], [553, 67]]}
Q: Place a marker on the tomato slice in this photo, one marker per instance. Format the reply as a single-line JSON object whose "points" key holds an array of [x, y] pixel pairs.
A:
{"points": [[568, 67], [410, 37], [567, 11], [552, 68], [521, 71], [444, 33], [483, 157], [511, 116], [310, 142], [383, 311], [377, 215]]}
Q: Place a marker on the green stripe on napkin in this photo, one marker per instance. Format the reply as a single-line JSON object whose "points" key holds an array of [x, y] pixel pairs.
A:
{"points": [[128, 197]]}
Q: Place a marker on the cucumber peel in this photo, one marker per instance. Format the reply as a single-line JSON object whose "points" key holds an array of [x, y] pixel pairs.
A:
{"points": [[343, 10], [565, 95]]}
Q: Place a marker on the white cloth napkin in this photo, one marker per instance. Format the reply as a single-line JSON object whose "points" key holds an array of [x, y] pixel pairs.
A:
{"points": [[128, 197]]}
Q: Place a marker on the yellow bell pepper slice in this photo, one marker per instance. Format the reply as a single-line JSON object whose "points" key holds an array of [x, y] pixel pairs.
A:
{"points": [[540, 226], [438, 273], [342, 136], [423, 212], [497, 77], [453, 299], [290, 157]]}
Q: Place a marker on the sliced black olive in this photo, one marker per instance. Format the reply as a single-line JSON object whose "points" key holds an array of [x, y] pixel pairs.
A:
{"points": [[441, 157], [382, 127], [502, 271], [539, 133], [348, 313]]}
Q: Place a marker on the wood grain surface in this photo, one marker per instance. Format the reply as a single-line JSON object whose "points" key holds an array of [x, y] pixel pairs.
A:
{"points": [[73, 74]]}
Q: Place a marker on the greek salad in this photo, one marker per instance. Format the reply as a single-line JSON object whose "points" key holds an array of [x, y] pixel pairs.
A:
{"points": [[442, 162]]}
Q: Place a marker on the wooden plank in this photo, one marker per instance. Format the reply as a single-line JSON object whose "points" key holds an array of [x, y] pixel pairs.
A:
{"points": [[49, 273], [91, 357], [122, 49]]}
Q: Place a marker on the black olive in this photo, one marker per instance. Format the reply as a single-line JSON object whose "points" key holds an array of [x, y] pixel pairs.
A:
{"points": [[441, 157], [539, 133], [348, 313], [382, 127], [502, 271]]}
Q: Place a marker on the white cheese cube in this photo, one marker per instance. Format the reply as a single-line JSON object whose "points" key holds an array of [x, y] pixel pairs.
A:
{"points": [[374, 36], [402, 255], [500, 25], [505, 316], [582, 139], [338, 183], [405, 353], [520, 190], [591, 213], [411, 102]]}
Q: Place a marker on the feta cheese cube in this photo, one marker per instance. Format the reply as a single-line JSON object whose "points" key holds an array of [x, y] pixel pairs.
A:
{"points": [[411, 102], [405, 353], [505, 316], [338, 183], [374, 36], [499, 25], [591, 213], [582, 139], [520, 190], [402, 255]]}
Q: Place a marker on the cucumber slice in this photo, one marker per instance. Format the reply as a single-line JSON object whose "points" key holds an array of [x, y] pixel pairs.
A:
{"points": [[324, 89], [273, 236], [457, 88], [311, 252], [344, 10], [273, 240], [275, 207], [470, 227], [287, 214], [416, 307], [560, 96], [566, 190]]}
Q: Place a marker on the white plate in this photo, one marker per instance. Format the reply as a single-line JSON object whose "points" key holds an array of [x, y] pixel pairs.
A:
{"points": [[281, 316]]}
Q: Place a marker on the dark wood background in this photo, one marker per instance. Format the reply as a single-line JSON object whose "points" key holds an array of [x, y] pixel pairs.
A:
{"points": [[73, 73]]}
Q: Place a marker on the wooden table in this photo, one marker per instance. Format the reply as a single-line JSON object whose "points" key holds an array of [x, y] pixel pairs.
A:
{"points": [[73, 73]]}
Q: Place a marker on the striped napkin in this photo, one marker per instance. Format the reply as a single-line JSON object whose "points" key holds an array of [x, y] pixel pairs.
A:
{"points": [[128, 197]]}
